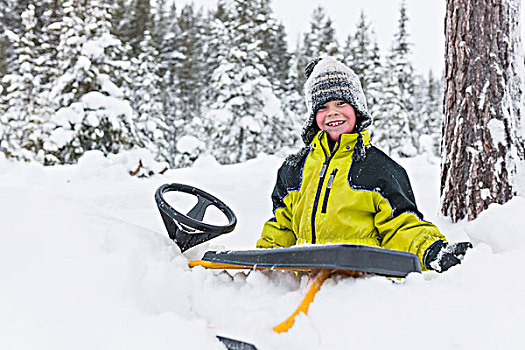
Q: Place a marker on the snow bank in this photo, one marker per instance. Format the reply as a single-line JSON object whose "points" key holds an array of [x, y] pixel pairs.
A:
{"points": [[499, 226], [139, 161], [85, 263], [189, 144]]}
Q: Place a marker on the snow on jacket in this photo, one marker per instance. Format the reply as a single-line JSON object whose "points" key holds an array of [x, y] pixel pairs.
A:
{"points": [[326, 197]]}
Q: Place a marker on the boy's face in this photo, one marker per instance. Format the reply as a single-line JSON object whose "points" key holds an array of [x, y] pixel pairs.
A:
{"points": [[336, 118]]}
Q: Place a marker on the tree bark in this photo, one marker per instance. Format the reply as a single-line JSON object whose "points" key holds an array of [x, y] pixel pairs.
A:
{"points": [[482, 131]]}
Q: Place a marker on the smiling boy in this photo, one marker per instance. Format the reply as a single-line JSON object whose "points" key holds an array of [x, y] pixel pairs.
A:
{"points": [[341, 189]]}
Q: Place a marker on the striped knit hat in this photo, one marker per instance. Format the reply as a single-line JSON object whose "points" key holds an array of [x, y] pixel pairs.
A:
{"points": [[326, 80]]}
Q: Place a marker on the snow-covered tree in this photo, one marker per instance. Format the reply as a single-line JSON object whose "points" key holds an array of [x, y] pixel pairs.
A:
{"points": [[190, 69], [293, 97], [3, 55], [159, 21], [244, 109], [359, 52], [298, 63], [94, 113], [146, 100], [119, 10], [133, 21], [47, 62], [375, 88], [395, 123], [217, 45], [144, 88], [188, 63], [22, 123], [428, 108], [391, 126], [319, 41], [272, 36]]}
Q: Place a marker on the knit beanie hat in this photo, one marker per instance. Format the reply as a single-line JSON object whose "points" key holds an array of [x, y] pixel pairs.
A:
{"points": [[327, 80]]}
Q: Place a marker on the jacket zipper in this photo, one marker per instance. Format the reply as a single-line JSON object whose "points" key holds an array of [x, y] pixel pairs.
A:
{"points": [[327, 192], [322, 176]]}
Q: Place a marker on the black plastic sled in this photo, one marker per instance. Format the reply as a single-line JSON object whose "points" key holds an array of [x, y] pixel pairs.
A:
{"points": [[344, 257]]}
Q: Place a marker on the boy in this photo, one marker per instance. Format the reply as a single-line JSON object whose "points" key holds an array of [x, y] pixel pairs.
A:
{"points": [[340, 189]]}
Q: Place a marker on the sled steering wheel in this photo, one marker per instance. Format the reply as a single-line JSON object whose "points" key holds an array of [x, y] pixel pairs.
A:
{"points": [[188, 230]]}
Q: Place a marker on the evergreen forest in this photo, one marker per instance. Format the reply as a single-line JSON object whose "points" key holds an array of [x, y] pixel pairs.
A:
{"points": [[181, 81]]}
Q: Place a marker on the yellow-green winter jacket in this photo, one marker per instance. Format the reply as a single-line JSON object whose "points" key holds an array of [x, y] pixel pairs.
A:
{"points": [[326, 196]]}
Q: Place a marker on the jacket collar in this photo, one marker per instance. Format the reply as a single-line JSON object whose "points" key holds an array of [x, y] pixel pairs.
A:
{"points": [[345, 144]]}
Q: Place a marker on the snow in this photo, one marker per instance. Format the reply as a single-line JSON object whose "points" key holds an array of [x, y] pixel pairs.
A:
{"points": [[250, 123], [11, 36], [83, 63], [497, 131], [497, 226], [222, 116], [188, 144], [484, 193], [69, 115], [113, 107], [85, 263], [108, 86], [94, 48]]}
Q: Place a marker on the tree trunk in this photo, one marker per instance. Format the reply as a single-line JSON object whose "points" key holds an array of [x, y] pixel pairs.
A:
{"points": [[482, 131]]}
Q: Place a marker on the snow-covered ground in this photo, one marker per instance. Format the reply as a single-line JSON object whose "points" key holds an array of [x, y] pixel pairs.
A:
{"points": [[85, 263]]}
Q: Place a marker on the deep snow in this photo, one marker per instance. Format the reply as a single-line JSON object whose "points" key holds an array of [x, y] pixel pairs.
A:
{"points": [[85, 263]]}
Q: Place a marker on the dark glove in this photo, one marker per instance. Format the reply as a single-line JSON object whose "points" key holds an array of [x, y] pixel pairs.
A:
{"points": [[442, 255]]}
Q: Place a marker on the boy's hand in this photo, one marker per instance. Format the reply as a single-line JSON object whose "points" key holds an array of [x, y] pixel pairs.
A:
{"points": [[442, 255]]}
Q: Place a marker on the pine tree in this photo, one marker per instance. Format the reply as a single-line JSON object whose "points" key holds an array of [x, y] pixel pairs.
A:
{"points": [[375, 91], [94, 114], [160, 23], [169, 51], [191, 73], [320, 41], [3, 67], [236, 86], [166, 35], [146, 100], [12, 11], [187, 64], [134, 23], [145, 88], [293, 97], [4, 61], [3, 56], [217, 45], [391, 130], [428, 108], [359, 52], [348, 48], [272, 36], [404, 74], [279, 58], [244, 109], [22, 123], [119, 19], [298, 63], [10, 22], [47, 52], [397, 111]]}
